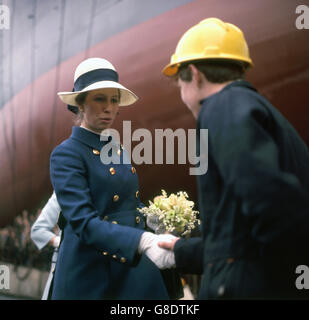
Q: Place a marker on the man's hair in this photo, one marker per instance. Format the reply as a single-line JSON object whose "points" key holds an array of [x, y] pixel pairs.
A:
{"points": [[215, 71]]}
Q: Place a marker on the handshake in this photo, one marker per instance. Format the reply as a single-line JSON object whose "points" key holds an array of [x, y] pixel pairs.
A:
{"points": [[158, 248]]}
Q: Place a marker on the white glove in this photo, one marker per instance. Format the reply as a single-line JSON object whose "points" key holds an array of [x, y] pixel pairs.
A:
{"points": [[162, 258]]}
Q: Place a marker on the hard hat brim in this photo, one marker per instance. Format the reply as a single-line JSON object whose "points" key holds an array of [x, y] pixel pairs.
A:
{"points": [[171, 69]]}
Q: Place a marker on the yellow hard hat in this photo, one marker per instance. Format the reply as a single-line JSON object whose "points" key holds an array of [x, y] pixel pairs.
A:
{"points": [[210, 39]]}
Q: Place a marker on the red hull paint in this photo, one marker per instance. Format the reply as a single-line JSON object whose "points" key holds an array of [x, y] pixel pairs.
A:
{"points": [[280, 53]]}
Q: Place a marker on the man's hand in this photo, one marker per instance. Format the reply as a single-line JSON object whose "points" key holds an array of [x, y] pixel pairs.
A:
{"points": [[55, 241], [169, 245]]}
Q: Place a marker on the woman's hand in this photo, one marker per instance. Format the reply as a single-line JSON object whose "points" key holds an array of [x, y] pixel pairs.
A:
{"points": [[162, 258]]}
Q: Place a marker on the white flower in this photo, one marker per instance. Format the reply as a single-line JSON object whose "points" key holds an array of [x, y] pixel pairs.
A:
{"points": [[174, 213]]}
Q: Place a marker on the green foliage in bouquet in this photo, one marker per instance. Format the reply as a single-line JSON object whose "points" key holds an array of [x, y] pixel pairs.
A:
{"points": [[173, 213]]}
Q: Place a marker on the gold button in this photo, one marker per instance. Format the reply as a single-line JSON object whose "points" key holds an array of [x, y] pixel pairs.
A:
{"points": [[119, 152], [115, 198], [114, 222], [133, 170], [123, 260], [105, 253], [114, 256], [105, 218], [136, 193], [96, 151], [138, 219], [112, 171]]}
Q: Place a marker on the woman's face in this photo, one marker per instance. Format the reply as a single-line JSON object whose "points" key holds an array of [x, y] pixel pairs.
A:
{"points": [[100, 109]]}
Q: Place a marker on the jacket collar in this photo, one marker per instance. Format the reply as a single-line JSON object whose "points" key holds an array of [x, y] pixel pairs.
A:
{"points": [[89, 138], [236, 83], [240, 83]]}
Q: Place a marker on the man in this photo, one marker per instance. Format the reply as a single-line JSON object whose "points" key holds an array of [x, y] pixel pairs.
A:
{"points": [[254, 198]]}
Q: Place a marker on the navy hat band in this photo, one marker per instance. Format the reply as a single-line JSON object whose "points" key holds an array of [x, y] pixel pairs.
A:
{"points": [[93, 76]]}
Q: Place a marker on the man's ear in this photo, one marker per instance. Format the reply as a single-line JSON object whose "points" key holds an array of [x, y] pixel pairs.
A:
{"points": [[197, 76]]}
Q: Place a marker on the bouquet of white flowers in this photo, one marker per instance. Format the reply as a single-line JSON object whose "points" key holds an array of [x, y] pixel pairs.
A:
{"points": [[173, 214]]}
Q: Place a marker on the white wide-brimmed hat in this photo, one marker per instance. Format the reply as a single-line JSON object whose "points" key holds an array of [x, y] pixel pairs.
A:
{"points": [[93, 74]]}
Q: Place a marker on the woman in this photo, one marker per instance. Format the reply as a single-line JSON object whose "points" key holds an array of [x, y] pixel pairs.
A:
{"points": [[42, 234], [105, 252]]}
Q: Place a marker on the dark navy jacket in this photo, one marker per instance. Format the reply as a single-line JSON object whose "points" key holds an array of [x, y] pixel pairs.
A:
{"points": [[98, 255], [253, 200]]}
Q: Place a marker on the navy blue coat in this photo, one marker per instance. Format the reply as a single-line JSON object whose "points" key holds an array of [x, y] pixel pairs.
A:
{"points": [[253, 200], [98, 255]]}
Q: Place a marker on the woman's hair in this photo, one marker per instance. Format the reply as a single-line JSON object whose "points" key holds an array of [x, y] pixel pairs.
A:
{"points": [[215, 71], [80, 100]]}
